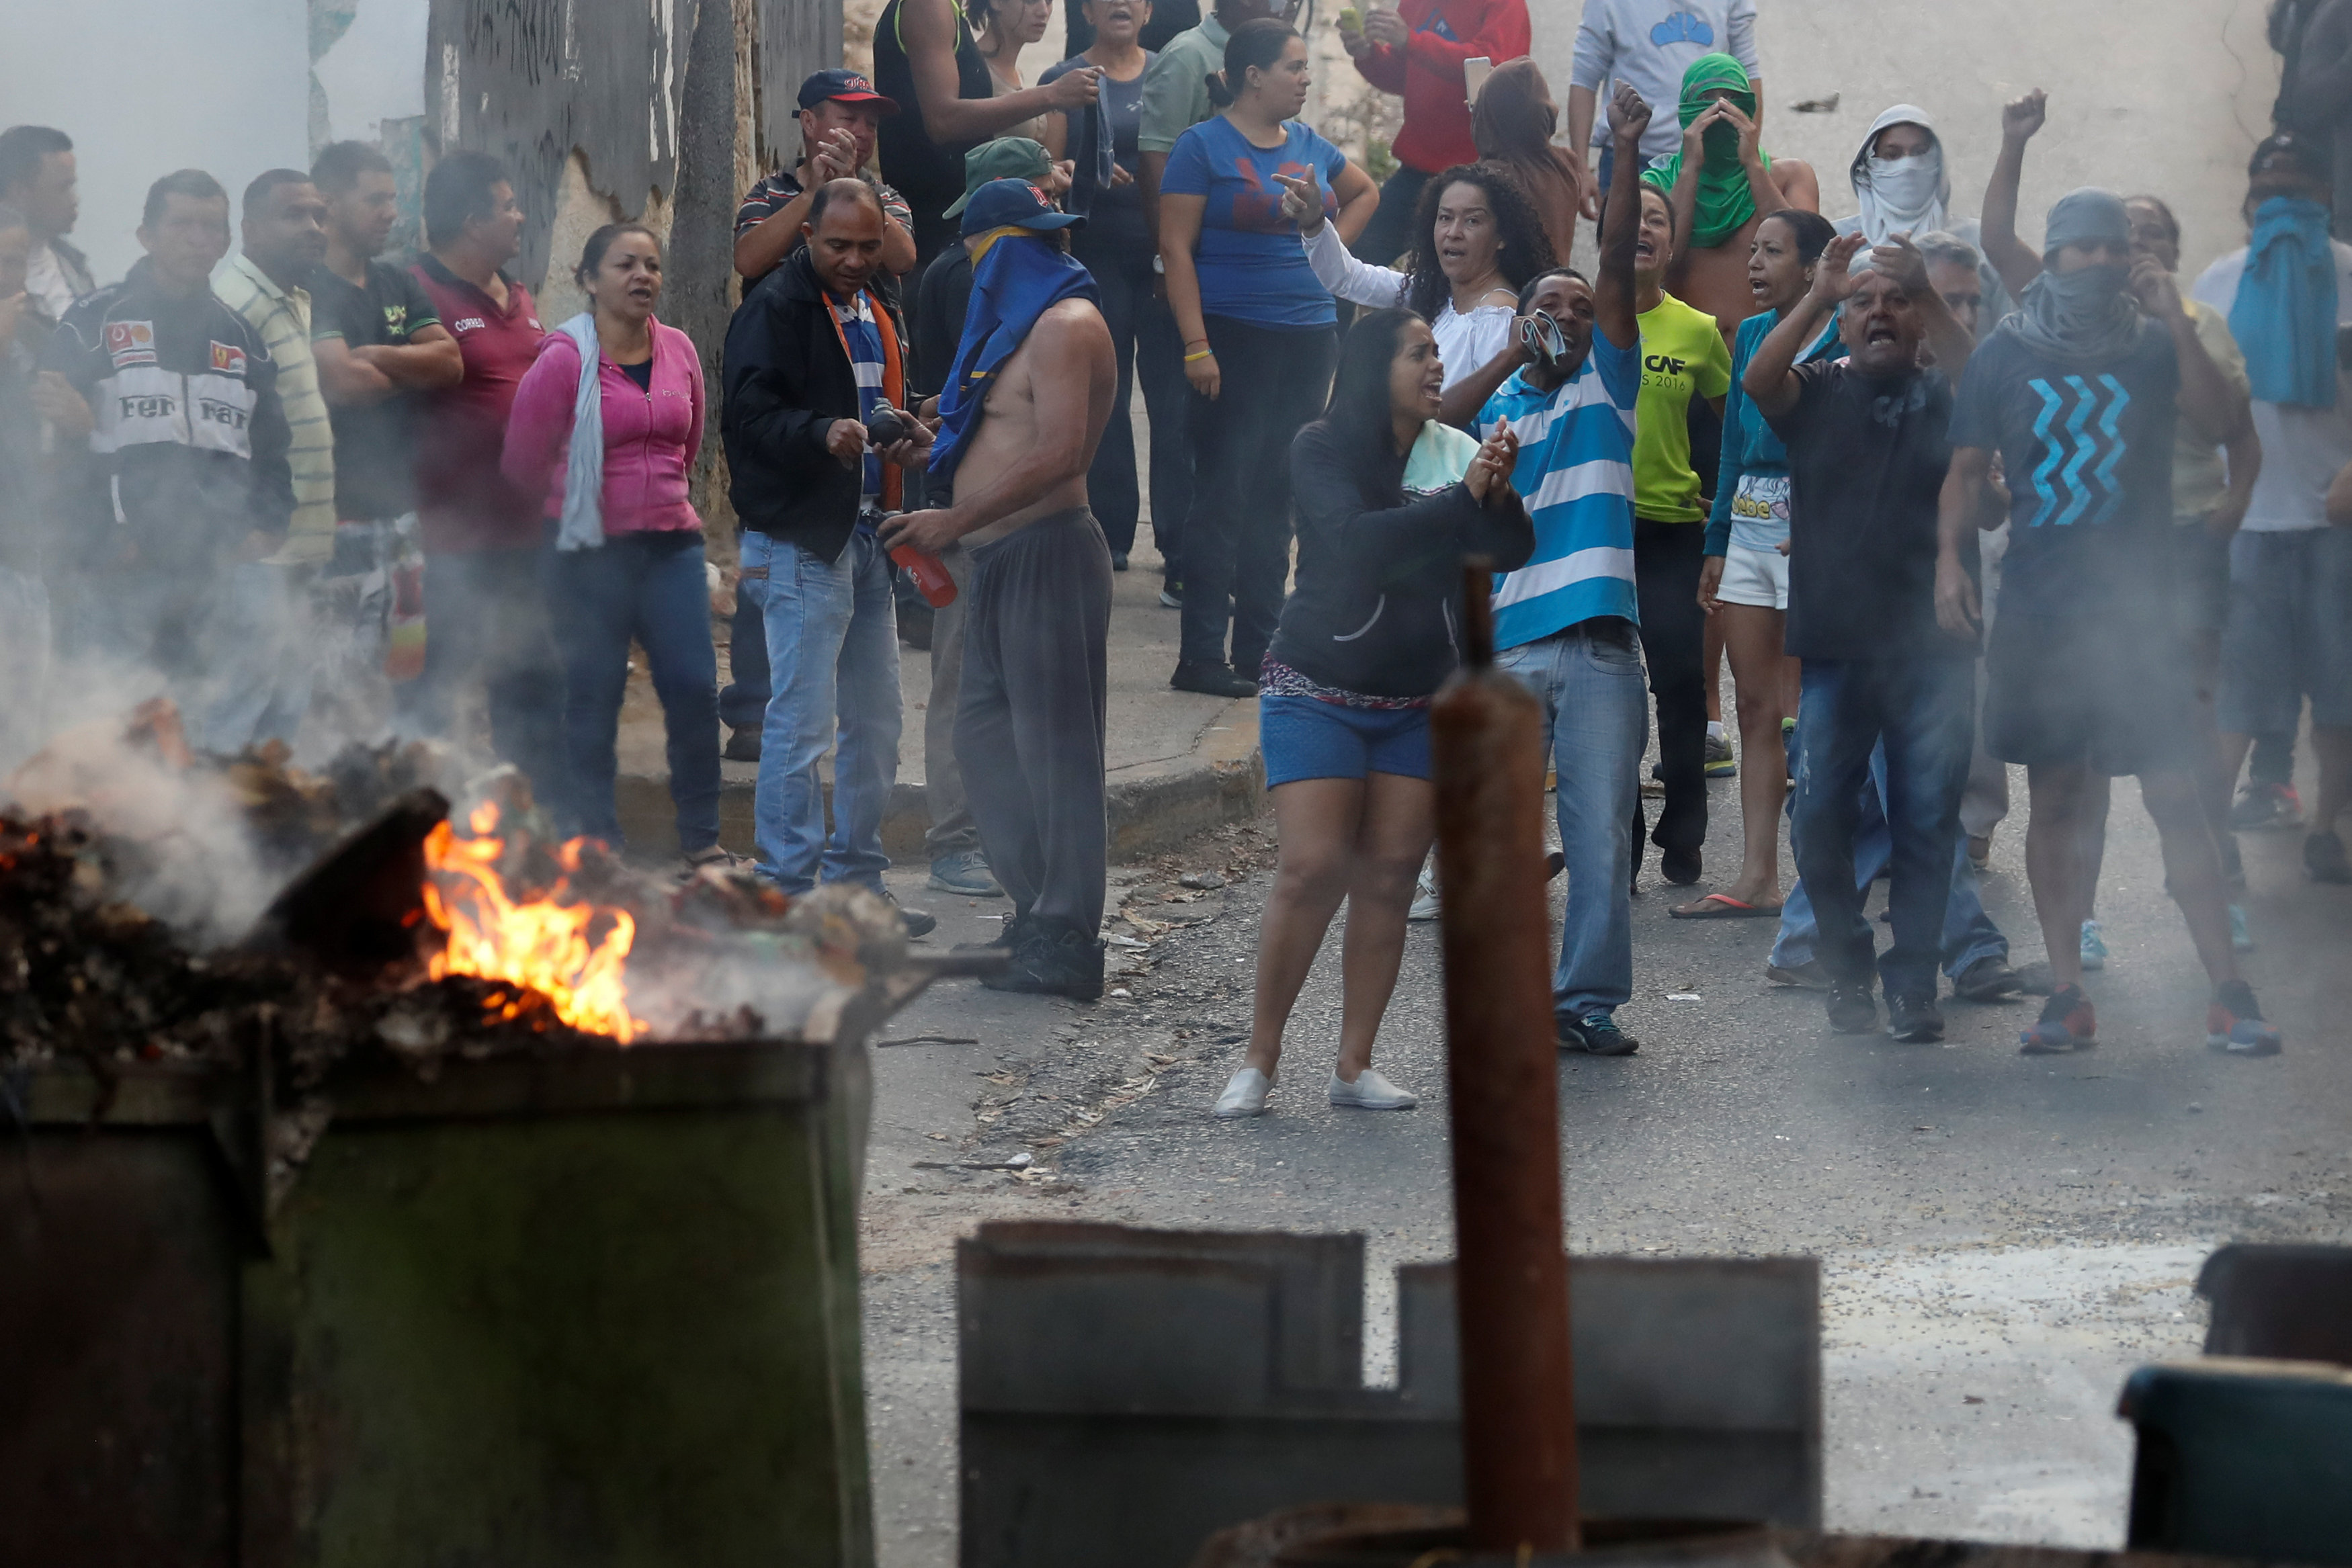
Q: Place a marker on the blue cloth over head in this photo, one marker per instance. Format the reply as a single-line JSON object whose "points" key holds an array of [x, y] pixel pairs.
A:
{"points": [[2285, 315], [1016, 277]]}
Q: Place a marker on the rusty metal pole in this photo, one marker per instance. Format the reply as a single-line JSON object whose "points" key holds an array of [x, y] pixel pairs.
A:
{"points": [[1519, 1423]]}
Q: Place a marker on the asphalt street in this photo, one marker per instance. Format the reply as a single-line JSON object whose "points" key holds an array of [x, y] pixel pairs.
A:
{"points": [[2002, 1236]]}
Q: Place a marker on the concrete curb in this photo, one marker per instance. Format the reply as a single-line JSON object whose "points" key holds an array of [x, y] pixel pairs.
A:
{"points": [[1155, 805]]}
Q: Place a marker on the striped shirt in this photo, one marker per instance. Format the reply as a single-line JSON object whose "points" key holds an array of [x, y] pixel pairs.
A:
{"points": [[782, 189], [1576, 473], [866, 364], [282, 317]]}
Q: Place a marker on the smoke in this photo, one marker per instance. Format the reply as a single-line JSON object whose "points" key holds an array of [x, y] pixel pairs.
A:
{"points": [[175, 836], [201, 840]]}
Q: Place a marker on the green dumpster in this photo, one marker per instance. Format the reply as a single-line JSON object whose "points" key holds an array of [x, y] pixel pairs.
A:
{"points": [[590, 1306]]}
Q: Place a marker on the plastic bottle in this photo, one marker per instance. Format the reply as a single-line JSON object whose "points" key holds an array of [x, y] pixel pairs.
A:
{"points": [[930, 575]]}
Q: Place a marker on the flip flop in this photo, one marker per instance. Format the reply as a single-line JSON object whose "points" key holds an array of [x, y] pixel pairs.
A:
{"points": [[1723, 906]]}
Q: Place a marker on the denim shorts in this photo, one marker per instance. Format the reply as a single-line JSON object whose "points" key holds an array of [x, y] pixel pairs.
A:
{"points": [[2290, 630], [1307, 737]]}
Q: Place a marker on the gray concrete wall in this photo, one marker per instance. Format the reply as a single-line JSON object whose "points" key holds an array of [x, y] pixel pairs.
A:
{"points": [[2167, 95]]}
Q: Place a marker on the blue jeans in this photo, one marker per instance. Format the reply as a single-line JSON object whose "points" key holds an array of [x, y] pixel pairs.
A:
{"points": [[1143, 334], [650, 589], [832, 664], [27, 651], [1236, 539], [743, 700], [1918, 713], [1595, 718], [486, 619], [1969, 934], [260, 659], [221, 637]]}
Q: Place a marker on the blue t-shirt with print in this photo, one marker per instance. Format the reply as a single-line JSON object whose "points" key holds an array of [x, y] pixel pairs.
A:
{"points": [[2087, 457], [1252, 266]]}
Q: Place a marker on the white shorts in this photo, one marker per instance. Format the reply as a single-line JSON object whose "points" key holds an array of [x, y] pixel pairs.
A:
{"points": [[1758, 577]]}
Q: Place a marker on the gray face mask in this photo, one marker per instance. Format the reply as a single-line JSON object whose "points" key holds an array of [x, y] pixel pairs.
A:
{"points": [[2080, 317]]}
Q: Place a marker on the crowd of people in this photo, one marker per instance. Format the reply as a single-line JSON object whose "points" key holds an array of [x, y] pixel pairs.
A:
{"points": [[1944, 502]]}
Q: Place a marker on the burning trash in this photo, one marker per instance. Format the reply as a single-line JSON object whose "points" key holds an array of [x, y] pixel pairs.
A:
{"points": [[572, 952], [157, 904]]}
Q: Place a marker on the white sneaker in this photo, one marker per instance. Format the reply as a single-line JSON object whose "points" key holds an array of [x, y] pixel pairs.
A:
{"points": [[1244, 1094], [1425, 893], [1370, 1092]]}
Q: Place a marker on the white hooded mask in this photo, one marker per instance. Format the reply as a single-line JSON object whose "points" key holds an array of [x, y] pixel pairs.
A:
{"points": [[1901, 195]]}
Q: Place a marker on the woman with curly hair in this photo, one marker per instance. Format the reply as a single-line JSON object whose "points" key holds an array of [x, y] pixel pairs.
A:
{"points": [[1477, 238]]}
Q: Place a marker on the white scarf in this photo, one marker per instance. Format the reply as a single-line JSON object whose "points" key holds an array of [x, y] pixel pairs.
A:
{"points": [[581, 523], [1901, 195]]}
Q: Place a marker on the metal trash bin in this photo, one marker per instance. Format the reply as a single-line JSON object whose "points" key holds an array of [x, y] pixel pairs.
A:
{"points": [[594, 1306], [1151, 1387], [2242, 1459]]}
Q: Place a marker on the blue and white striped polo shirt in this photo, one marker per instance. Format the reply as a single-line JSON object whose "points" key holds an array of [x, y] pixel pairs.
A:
{"points": [[1576, 474]]}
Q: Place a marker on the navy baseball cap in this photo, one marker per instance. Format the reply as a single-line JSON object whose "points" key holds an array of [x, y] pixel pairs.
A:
{"points": [[2285, 152], [843, 86], [1012, 204]]}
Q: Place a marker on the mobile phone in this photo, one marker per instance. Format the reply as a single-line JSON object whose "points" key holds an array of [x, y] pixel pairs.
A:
{"points": [[1475, 72]]}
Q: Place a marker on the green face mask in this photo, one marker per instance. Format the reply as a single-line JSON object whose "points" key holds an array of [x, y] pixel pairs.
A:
{"points": [[1724, 203]]}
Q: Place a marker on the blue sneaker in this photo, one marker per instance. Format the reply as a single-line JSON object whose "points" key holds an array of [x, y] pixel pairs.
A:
{"points": [[1596, 1034], [2068, 1023], [2234, 1024], [965, 872], [2095, 946], [2241, 940]]}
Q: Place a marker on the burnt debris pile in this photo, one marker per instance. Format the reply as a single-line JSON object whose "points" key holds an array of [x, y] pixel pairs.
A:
{"points": [[158, 906]]}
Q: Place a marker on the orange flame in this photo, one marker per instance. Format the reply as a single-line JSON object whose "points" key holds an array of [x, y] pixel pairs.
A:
{"points": [[541, 946]]}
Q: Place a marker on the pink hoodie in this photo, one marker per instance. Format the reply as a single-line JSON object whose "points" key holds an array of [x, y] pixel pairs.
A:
{"points": [[650, 436]]}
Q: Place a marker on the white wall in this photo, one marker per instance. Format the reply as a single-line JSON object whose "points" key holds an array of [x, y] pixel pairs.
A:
{"points": [[2167, 95], [145, 86], [376, 72]]}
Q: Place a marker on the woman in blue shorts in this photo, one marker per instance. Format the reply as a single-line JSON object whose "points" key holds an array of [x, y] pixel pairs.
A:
{"points": [[1389, 502]]}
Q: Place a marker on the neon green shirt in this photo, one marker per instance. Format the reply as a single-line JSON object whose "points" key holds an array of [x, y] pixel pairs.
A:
{"points": [[1682, 354]]}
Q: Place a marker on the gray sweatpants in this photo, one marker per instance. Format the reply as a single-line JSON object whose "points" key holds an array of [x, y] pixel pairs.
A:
{"points": [[951, 831], [1029, 729]]}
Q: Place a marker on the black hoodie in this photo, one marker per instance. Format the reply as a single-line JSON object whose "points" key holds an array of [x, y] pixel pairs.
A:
{"points": [[1380, 573]]}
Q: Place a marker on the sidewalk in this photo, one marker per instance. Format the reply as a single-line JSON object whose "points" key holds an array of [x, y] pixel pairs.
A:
{"points": [[1179, 762]]}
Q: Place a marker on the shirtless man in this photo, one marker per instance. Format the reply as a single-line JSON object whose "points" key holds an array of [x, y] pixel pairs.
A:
{"points": [[1032, 386], [1722, 185]]}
